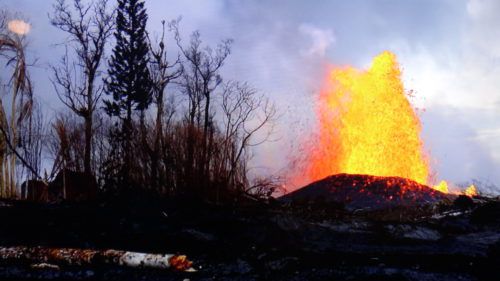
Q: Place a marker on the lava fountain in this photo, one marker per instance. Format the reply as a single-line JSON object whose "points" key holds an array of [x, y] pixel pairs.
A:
{"points": [[368, 126]]}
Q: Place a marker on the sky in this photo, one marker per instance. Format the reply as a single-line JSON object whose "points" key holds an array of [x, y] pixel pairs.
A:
{"points": [[449, 51]]}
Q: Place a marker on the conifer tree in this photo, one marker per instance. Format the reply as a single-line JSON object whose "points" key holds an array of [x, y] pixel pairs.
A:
{"points": [[128, 83]]}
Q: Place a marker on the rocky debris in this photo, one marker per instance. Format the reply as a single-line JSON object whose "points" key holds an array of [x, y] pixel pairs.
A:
{"points": [[260, 242], [413, 232], [199, 235], [478, 243], [354, 226], [464, 202], [366, 192]]}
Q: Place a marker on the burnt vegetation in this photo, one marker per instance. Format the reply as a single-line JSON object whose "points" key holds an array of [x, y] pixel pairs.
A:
{"points": [[145, 112], [152, 155]]}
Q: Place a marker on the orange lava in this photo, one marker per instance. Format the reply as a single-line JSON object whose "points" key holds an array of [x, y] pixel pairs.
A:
{"points": [[442, 186], [366, 125], [471, 191]]}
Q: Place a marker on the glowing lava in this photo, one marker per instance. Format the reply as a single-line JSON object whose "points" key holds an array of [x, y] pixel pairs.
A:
{"points": [[442, 186], [471, 191], [368, 126]]}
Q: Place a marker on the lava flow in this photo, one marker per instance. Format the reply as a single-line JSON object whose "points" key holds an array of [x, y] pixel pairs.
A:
{"points": [[368, 126]]}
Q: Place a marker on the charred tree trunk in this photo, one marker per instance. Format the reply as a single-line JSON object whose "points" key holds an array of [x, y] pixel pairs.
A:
{"points": [[82, 257], [88, 145], [155, 156], [205, 161], [88, 125], [127, 139]]}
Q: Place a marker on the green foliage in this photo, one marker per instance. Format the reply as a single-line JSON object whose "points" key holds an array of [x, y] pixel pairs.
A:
{"points": [[129, 82]]}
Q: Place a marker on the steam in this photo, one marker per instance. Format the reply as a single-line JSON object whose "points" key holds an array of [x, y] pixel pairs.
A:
{"points": [[19, 27], [321, 39]]}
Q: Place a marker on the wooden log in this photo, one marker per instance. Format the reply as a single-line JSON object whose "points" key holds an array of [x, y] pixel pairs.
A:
{"points": [[83, 257]]}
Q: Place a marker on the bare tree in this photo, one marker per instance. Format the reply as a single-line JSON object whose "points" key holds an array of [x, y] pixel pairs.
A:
{"points": [[89, 27], [32, 140], [65, 143], [101, 147], [162, 72], [200, 78], [248, 120]]}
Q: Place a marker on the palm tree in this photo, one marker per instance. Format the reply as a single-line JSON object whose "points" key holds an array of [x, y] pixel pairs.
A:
{"points": [[12, 47]]}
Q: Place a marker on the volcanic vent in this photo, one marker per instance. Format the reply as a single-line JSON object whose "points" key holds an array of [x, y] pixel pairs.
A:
{"points": [[368, 138], [365, 191]]}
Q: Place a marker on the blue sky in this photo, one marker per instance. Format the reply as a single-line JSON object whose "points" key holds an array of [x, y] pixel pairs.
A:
{"points": [[449, 51]]}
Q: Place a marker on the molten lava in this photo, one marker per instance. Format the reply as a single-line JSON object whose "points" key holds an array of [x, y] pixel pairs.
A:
{"points": [[368, 126], [442, 186], [471, 191]]}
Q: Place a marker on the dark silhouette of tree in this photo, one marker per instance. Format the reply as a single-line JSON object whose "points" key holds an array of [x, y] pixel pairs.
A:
{"points": [[32, 138], [89, 27], [162, 72], [13, 126], [66, 144], [246, 114], [129, 82], [199, 145], [200, 80]]}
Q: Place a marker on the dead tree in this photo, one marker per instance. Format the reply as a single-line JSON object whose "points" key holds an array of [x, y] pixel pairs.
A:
{"points": [[32, 140], [162, 72], [89, 27], [12, 47], [65, 143], [248, 120], [200, 80]]}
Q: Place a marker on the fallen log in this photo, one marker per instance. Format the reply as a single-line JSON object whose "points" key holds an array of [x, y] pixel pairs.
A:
{"points": [[83, 257]]}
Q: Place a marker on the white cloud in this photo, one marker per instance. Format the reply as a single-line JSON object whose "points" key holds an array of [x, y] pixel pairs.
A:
{"points": [[321, 39], [458, 84], [464, 75], [484, 30]]}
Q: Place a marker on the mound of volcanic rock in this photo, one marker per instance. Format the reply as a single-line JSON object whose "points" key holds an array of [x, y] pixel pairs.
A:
{"points": [[366, 192]]}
